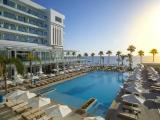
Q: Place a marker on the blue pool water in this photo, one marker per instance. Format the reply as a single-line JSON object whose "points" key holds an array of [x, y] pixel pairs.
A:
{"points": [[103, 86]]}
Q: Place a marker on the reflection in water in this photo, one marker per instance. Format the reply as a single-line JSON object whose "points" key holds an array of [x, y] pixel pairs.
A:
{"points": [[79, 89]]}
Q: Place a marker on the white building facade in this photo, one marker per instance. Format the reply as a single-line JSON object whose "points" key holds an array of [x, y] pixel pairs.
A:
{"points": [[26, 26]]}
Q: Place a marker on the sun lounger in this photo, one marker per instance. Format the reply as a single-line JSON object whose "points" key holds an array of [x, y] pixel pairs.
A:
{"points": [[131, 104], [127, 115], [131, 108], [29, 112], [22, 109], [156, 87], [11, 104], [155, 90], [37, 114], [45, 117], [19, 106]]}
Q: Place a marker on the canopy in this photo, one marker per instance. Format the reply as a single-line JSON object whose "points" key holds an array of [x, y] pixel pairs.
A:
{"points": [[133, 89], [9, 82], [25, 96], [58, 111], [12, 95], [38, 102], [35, 77], [94, 118], [131, 99]]}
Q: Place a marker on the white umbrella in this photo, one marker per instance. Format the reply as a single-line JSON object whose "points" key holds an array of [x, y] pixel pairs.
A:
{"points": [[52, 75], [55, 70], [35, 77], [38, 102], [58, 111], [25, 96], [19, 80], [9, 82], [94, 118], [12, 95], [130, 98], [133, 89]]}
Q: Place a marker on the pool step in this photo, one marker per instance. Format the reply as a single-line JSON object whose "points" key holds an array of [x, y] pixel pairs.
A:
{"points": [[88, 104], [98, 109]]}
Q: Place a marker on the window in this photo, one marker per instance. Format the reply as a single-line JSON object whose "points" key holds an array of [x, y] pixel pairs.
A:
{"points": [[12, 27], [22, 8], [32, 30], [8, 36], [1, 24], [32, 21], [58, 19], [1, 36], [22, 38], [22, 28], [21, 18], [45, 33], [9, 3], [39, 32], [9, 15], [6, 25], [33, 40]]}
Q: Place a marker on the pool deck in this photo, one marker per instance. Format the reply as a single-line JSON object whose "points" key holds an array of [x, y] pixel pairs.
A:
{"points": [[6, 113], [147, 113]]}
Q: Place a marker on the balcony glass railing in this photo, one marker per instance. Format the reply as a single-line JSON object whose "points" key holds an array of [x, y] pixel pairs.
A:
{"points": [[22, 18], [25, 9]]}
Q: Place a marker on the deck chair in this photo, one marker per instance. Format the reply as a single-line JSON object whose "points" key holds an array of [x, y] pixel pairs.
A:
{"points": [[127, 116], [22, 109], [131, 108], [11, 104], [45, 117], [19, 106], [29, 112]]}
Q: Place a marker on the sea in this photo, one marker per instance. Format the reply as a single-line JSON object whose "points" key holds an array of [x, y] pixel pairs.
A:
{"points": [[113, 60]]}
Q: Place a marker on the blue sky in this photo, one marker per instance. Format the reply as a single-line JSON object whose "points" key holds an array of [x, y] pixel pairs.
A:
{"points": [[94, 25]]}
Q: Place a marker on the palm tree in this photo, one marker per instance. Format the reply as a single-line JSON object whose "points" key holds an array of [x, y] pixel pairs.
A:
{"points": [[130, 60], [141, 54], [103, 60], [100, 54], [154, 52], [122, 59], [67, 55], [4, 62], [118, 54], [73, 53], [92, 54], [85, 55], [79, 55], [109, 54], [31, 57], [131, 49]]}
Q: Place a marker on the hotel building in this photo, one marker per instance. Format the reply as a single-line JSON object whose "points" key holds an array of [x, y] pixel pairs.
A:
{"points": [[26, 26]]}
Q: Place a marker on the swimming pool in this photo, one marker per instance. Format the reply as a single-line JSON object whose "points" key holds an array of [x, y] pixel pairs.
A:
{"points": [[103, 86]]}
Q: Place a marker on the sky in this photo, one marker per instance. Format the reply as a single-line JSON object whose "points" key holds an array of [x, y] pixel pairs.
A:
{"points": [[95, 25]]}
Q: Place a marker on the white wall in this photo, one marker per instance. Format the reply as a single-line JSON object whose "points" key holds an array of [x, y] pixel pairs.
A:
{"points": [[56, 36]]}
